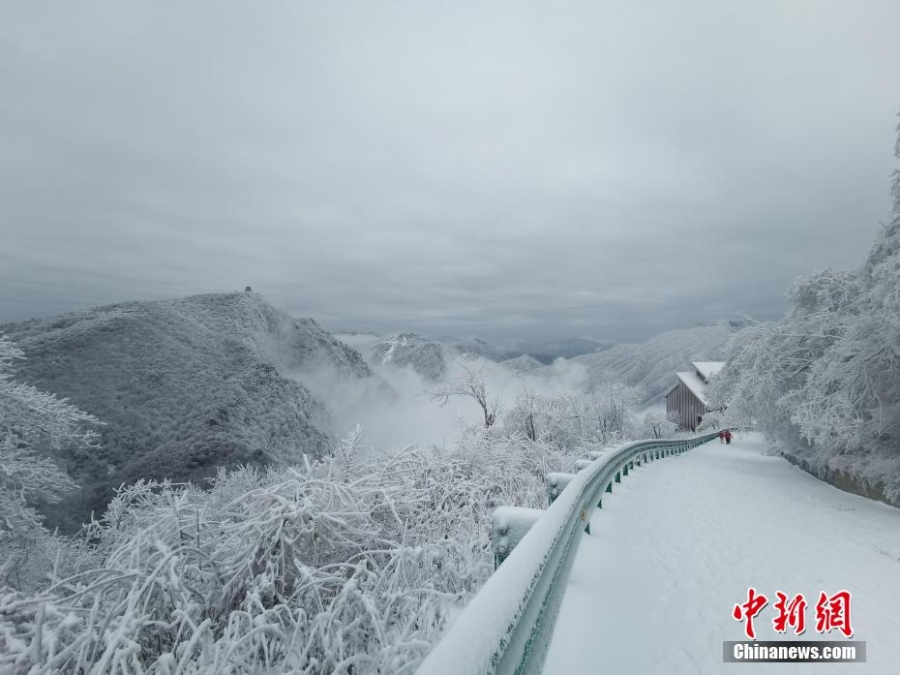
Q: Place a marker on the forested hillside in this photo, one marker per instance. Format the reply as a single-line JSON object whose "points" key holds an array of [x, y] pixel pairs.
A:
{"points": [[182, 386]]}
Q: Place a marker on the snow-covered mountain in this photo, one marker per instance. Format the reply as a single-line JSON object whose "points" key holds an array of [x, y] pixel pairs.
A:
{"points": [[547, 351], [428, 358], [408, 349], [184, 386], [475, 347], [523, 364], [651, 365]]}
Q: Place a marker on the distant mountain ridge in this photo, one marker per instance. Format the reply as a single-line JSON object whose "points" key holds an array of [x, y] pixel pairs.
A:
{"points": [[183, 386], [430, 357], [547, 351], [523, 364], [651, 365]]}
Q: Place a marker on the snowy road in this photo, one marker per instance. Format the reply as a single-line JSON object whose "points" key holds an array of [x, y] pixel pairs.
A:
{"points": [[678, 543]]}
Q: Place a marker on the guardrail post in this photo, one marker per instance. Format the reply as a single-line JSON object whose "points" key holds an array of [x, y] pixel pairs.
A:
{"points": [[556, 483], [508, 525], [618, 476]]}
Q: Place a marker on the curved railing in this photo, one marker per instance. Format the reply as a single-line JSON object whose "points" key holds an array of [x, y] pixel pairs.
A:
{"points": [[506, 628]]}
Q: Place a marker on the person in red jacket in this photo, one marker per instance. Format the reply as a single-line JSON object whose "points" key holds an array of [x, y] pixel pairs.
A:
{"points": [[728, 436], [721, 437]]}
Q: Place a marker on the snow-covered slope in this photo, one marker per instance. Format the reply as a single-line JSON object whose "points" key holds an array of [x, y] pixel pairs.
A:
{"points": [[408, 349], [651, 365], [523, 364], [475, 347], [183, 386], [427, 357]]}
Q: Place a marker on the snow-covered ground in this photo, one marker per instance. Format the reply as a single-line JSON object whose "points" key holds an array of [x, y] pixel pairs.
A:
{"points": [[680, 541]]}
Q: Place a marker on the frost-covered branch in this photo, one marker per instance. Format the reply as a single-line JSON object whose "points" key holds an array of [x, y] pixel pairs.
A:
{"points": [[469, 382], [344, 565], [33, 424]]}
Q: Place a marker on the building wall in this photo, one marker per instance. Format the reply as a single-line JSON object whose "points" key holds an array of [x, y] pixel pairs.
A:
{"points": [[683, 407]]}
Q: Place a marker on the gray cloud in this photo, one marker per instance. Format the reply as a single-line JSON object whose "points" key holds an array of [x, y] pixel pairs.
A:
{"points": [[518, 169]]}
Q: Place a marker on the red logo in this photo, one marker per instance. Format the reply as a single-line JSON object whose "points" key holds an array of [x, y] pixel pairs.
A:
{"points": [[749, 610], [832, 613], [791, 613]]}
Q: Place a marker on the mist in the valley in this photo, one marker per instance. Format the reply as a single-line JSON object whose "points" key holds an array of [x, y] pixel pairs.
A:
{"points": [[394, 407]]}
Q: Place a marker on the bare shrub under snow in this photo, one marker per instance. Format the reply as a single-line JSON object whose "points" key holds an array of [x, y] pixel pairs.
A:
{"points": [[347, 565]]}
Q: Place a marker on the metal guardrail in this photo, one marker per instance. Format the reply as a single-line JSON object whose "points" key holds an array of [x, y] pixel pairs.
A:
{"points": [[507, 627]]}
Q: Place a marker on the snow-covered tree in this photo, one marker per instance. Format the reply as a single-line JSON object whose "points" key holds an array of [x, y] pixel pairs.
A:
{"points": [[852, 398], [331, 567], [570, 420], [527, 415], [825, 380], [468, 382], [768, 364], [33, 425], [610, 407], [655, 424]]}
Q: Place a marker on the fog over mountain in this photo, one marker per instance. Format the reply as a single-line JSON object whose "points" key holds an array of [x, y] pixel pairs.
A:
{"points": [[649, 365]]}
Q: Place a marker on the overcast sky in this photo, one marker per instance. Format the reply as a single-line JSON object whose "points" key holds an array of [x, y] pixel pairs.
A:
{"points": [[503, 169]]}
